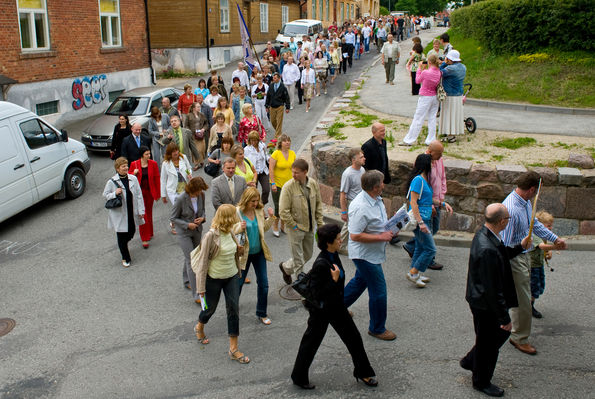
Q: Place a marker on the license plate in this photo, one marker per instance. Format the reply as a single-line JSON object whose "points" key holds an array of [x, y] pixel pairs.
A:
{"points": [[95, 144]]}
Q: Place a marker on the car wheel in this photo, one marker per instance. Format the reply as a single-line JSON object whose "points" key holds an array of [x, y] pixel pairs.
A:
{"points": [[75, 182]]}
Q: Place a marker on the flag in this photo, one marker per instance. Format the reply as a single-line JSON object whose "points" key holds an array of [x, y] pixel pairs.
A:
{"points": [[249, 56]]}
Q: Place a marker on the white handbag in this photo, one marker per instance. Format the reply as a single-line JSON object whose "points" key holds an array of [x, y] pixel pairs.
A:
{"points": [[412, 221]]}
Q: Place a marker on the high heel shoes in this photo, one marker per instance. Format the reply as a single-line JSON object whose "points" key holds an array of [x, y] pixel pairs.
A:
{"points": [[371, 381]]}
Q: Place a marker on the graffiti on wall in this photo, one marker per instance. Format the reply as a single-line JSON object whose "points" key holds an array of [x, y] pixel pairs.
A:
{"points": [[88, 91]]}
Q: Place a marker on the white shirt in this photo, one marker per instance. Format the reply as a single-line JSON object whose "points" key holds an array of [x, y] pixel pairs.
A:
{"points": [[366, 32], [291, 74], [243, 75], [258, 157], [308, 76]]}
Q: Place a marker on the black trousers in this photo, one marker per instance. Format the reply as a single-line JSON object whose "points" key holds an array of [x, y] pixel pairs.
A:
{"points": [[263, 180], [350, 48], [414, 86], [300, 91], [489, 338], [123, 239], [343, 324]]}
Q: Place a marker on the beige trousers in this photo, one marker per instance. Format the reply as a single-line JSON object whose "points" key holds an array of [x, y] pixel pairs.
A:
{"points": [[277, 119], [521, 316], [301, 244]]}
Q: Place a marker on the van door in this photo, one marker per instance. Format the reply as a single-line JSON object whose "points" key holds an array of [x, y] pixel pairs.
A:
{"points": [[17, 190], [46, 154]]}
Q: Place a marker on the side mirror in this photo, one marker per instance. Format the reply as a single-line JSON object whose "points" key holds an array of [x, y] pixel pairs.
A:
{"points": [[64, 135], [278, 30]]}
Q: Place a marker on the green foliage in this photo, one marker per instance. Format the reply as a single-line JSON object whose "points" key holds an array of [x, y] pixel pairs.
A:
{"points": [[497, 157], [347, 85], [385, 121], [334, 131], [363, 120], [457, 156], [560, 144], [383, 10], [513, 144], [560, 163], [536, 164], [521, 26], [171, 74]]}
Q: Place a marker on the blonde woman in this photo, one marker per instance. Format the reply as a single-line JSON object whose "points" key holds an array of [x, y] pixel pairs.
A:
{"points": [[198, 124], [256, 253], [308, 82], [224, 108], [218, 132], [280, 173], [176, 171], [217, 268], [256, 152], [244, 168]]}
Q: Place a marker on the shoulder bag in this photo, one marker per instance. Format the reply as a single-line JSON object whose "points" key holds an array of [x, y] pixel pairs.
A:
{"points": [[303, 287], [412, 224], [114, 202], [440, 92], [212, 169]]}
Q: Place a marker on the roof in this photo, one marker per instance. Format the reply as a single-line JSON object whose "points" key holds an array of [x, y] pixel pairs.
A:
{"points": [[8, 109], [5, 80]]}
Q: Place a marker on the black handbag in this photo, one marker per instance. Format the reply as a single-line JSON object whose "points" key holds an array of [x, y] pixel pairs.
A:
{"points": [[114, 202], [303, 287], [212, 169]]}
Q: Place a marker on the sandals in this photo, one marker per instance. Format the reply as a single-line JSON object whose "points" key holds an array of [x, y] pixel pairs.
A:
{"points": [[265, 320], [173, 229], [449, 139], [243, 359], [204, 340]]}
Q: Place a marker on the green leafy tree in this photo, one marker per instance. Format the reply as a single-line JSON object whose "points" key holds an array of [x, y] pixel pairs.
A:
{"points": [[383, 10]]}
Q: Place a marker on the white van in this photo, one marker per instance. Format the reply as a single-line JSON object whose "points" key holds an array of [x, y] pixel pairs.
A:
{"points": [[299, 28], [36, 161]]}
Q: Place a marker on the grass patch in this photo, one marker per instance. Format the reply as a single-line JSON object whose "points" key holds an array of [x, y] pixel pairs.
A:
{"points": [[170, 74], [390, 138], [347, 86], [513, 144], [363, 120], [356, 97], [536, 164], [385, 121], [560, 78], [334, 131], [457, 156], [560, 163], [497, 157], [414, 147], [560, 144]]}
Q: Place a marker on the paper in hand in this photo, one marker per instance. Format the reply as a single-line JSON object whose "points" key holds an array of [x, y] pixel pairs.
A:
{"points": [[397, 222], [203, 302]]}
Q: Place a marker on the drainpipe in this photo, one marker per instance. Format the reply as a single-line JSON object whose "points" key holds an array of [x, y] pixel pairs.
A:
{"points": [[149, 43], [207, 29]]}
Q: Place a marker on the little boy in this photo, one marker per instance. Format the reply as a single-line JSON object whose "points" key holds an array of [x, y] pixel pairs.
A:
{"points": [[541, 252]]}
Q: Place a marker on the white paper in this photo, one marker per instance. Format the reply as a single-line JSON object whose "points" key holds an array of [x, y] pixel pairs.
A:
{"points": [[203, 303], [397, 222]]}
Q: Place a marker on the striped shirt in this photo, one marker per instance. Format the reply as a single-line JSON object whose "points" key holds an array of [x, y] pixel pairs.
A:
{"points": [[518, 224]]}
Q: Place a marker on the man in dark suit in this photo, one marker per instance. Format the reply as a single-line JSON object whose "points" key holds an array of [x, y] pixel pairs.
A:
{"points": [[490, 293], [228, 187], [131, 144], [375, 151], [277, 97]]}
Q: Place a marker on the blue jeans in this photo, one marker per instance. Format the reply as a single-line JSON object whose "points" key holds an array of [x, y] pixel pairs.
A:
{"points": [[369, 275], [537, 281], [356, 56], [425, 249], [434, 226], [367, 44], [262, 281]]}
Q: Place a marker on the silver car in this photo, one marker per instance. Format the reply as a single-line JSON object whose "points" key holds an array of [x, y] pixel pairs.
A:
{"points": [[137, 104]]}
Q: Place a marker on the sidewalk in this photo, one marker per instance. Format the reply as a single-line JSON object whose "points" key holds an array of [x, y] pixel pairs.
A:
{"points": [[376, 92]]}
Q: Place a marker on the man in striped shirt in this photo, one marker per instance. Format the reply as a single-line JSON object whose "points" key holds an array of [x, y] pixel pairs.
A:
{"points": [[519, 207]]}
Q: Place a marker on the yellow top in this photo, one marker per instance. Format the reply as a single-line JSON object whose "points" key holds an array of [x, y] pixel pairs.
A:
{"points": [[224, 265], [228, 113], [282, 167], [249, 175]]}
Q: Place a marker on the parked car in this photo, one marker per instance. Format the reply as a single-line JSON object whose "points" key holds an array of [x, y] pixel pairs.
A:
{"points": [[36, 161], [299, 28], [136, 103]]}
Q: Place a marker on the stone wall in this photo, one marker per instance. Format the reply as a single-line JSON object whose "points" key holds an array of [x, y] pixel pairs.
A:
{"points": [[567, 193]]}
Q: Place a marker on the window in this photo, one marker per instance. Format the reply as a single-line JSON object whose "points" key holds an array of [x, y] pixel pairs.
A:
{"points": [[112, 95], [33, 23], [321, 13], [327, 10], [342, 13], [285, 15], [156, 101], [109, 18], [264, 17], [224, 15], [37, 134], [313, 9], [47, 108]]}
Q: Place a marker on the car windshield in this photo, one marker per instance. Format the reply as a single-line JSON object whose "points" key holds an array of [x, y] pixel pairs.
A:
{"points": [[129, 106], [294, 30]]}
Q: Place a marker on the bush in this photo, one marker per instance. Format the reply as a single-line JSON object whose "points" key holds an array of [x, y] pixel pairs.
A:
{"points": [[383, 10], [521, 26]]}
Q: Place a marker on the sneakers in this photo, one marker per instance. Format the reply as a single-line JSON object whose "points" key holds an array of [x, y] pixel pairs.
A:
{"points": [[416, 279], [404, 144], [276, 233], [424, 279], [125, 263]]}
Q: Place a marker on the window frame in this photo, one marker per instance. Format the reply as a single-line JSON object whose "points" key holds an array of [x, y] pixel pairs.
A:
{"points": [[321, 9], [342, 13], [109, 16], [327, 10], [32, 29], [313, 9], [264, 22], [40, 107], [224, 16], [45, 142], [284, 15]]}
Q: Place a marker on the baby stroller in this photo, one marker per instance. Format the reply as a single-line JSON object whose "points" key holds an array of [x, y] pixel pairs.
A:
{"points": [[470, 124]]}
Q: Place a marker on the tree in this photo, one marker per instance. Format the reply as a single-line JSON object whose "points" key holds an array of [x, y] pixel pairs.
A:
{"points": [[383, 10]]}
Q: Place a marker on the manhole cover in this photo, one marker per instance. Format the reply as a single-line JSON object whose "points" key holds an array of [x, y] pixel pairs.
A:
{"points": [[6, 326], [289, 293]]}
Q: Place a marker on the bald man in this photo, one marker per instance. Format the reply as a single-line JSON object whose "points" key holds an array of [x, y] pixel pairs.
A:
{"points": [[375, 151], [490, 294], [132, 143], [438, 183]]}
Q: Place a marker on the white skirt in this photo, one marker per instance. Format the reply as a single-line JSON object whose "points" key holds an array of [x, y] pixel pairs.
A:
{"points": [[451, 116]]}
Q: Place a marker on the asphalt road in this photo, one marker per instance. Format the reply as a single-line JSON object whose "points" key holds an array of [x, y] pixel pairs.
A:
{"points": [[88, 328]]}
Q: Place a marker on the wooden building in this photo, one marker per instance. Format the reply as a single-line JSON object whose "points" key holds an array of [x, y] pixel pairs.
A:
{"points": [[187, 37], [370, 8], [329, 11]]}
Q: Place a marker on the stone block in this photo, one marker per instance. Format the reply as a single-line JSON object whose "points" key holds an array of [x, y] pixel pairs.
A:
{"points": [[326, 194], [473, 205], [582, 161], [456, 222], [588, 177], [509, 173], [491, 191], [453, 187], [349, 95], [549, 176], [343, 100], [338, 106], [565, 227], [579, 203], [570, 176], [553, 200], [587, 227], [387, 205], [482, 173], [456, 167], [396, 202]]}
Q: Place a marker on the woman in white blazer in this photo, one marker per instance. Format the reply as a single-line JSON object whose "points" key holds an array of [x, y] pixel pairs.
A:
{"points": [[176, 171], [124, 219]]}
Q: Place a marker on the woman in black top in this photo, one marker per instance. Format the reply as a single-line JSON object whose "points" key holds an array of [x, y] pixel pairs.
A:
{"points": [[328, 282], [121, 130]]}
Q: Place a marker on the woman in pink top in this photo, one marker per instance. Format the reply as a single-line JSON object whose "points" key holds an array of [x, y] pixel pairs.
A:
{"points": [[428, 75]]}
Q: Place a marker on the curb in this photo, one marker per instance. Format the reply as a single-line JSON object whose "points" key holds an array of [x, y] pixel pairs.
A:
{"points": [[531, 107]]}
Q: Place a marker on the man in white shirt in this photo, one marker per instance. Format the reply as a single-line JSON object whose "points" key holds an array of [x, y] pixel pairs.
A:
{"points": [[291, 74], [241, 74], [350, 41], [367, 32], [351, 186]]}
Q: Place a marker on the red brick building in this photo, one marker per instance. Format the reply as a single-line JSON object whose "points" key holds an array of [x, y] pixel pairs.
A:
{"points": [[71, 58]]}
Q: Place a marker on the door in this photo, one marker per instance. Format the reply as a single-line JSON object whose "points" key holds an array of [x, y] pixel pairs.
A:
{"points": [[17, 190], [46, 154], [334, 10]]}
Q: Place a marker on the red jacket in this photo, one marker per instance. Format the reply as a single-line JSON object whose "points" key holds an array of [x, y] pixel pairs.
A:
{"points": [[154, 177]]}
